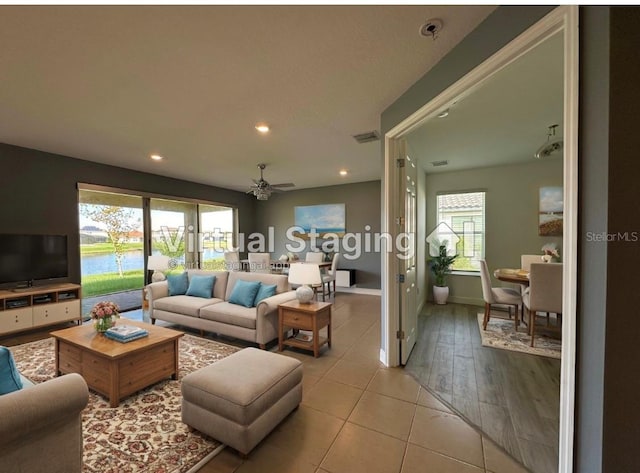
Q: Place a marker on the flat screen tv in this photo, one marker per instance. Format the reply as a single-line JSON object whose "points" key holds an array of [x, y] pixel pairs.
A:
{"points": [[28, 258]]}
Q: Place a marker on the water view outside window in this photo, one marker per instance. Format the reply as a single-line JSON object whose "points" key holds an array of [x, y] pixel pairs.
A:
{"points": [[111, 246]]}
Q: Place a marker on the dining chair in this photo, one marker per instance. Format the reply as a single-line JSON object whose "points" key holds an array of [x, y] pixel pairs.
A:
{"points": [[544, 293], [527, 260], [259, 262], [497, 295], [314, 257], [525, 263], [330, 276], [232, 260]]}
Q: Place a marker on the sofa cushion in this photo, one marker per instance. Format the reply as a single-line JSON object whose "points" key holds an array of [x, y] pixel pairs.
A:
{"points": [[186, 305], [201, 286], [178, 284], [230, 314], [9, 376], [281, 281], [244, 292], [220, 286], [266, 290]]}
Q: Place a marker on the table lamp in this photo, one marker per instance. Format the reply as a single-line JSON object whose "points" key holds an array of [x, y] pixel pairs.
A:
{"points": [[307, 275], [158, 264]]}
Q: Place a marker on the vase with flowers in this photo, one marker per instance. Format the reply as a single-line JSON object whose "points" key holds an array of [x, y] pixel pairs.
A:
{"points": [[104, 315], [550, 253]]}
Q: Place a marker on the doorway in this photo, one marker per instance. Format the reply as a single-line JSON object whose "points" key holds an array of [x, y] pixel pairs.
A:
{"points": [[564, 20]]}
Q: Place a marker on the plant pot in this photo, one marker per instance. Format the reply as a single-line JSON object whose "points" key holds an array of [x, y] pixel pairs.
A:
{"points": [[440, 294]]}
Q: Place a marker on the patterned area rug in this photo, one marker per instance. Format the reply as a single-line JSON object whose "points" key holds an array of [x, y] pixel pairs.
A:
{"points": [[145, 432], [501, 333]]}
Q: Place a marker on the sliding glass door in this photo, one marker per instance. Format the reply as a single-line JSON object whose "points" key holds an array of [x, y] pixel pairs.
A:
{"points": [[217, 235], [111, 248], [119, 229], [174, 230]]}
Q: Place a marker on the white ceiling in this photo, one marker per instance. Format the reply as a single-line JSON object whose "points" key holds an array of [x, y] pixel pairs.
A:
{"points": [[504, 121], [114, 84]]}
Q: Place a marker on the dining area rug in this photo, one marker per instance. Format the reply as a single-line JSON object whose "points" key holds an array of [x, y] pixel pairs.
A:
{"points": [[145, 432], [501, 334]]}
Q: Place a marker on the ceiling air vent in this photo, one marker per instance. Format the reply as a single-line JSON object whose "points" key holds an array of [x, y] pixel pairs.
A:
{"points": [[439, 163], [367, 137]]}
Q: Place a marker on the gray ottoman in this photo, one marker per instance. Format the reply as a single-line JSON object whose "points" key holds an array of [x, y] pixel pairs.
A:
{"points": [[241, 398]]}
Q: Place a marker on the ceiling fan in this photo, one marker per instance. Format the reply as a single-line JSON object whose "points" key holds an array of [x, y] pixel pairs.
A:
{"points": [[262, 189]]}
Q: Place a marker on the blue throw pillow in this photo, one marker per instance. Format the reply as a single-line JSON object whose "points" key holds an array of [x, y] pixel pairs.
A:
{"points": [[9, 377], [266, 290], [178, 284], [244, 292], [201, 286]]}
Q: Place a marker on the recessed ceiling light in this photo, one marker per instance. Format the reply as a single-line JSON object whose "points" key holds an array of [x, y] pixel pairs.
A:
{"points": [[262, 127], [343, 172], [156, 157]]}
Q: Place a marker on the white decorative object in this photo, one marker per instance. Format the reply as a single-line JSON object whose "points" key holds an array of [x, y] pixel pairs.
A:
{"points": [[158, 264], [306, 274], [546, 258]]}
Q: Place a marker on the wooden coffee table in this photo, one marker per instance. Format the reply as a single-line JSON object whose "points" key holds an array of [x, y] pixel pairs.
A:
{"points": [[116, 369]]}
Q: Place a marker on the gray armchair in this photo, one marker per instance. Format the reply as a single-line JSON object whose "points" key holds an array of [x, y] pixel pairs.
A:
{"points": [[41, 427]]}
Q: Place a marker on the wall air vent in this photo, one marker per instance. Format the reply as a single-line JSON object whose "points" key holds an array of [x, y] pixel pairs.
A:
{"points": [[439, 163], [367, 137]]}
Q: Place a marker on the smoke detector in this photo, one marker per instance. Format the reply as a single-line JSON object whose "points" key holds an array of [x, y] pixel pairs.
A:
{"points": [[431, 29]]}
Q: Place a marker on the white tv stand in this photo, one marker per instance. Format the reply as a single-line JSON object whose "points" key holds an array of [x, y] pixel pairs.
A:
{"points": [[39, 306]]}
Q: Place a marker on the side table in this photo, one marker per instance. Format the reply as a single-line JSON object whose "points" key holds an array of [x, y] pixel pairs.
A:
{"points": [[312, 316]]}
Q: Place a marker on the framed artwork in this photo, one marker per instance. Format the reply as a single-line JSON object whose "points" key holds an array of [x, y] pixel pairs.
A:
{"points": [[550, 211], [327, 218]]}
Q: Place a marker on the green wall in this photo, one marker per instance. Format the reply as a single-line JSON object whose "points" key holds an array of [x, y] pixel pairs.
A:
{"points": [[511, 215], [362, 208]]}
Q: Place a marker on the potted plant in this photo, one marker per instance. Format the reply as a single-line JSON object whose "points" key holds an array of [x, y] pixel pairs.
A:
{"points": [[441, 266]]}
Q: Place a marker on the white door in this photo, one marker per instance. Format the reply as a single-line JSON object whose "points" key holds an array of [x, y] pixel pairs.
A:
{"points": [[406, 252]]}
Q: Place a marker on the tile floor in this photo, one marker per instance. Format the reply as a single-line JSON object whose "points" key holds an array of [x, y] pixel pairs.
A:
{"points": [[357, 416]]}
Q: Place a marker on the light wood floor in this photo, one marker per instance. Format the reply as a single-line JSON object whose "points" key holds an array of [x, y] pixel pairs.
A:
{"points": [[513, 398]]}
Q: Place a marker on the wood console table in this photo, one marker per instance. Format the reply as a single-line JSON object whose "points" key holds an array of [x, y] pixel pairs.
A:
{"points": [[313, 316]]}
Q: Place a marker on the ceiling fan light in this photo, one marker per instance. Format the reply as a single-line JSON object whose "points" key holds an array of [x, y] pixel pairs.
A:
{"points": [[262, 194]]}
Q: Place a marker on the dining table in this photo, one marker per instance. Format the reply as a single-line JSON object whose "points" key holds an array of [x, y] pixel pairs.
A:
{"points": [[516, 276]]}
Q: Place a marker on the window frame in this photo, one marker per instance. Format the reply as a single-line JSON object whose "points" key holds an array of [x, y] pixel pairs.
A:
{"points": [[449, 222]]}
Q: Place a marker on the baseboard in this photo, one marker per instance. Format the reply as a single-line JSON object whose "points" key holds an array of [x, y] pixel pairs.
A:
{"points": [[421, 305], [465, 300], [360, 290]]}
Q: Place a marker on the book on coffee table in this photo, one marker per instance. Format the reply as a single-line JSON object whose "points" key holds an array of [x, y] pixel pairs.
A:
{"points": [[125, 333]]}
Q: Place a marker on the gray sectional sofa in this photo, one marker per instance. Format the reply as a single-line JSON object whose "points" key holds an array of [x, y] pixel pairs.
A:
{"points": [[216, 314]]}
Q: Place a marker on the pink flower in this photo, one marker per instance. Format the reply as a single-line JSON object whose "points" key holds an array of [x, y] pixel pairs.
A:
{"points": [[105, 309]]}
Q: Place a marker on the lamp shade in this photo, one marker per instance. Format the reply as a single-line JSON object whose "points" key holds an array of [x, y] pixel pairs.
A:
{"points": [[158, 263], [305, 273]]}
